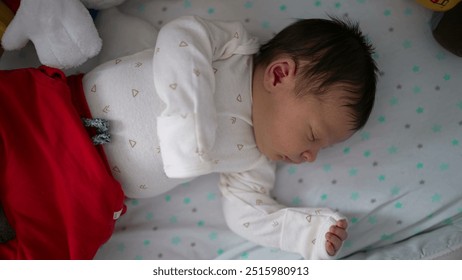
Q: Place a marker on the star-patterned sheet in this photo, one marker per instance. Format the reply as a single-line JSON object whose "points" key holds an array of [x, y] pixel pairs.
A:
{"points": [[398, 180]]}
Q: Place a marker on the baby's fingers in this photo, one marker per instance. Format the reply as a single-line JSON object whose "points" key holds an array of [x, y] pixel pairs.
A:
{"points": [[330, 248], [342, 224], [338, 232], [333, 243]]}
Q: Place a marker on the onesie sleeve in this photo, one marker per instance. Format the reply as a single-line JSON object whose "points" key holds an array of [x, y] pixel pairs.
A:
{"points": [[184, 79], [252, 213]]}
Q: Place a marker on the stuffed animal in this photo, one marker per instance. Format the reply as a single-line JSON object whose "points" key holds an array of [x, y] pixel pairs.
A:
{"points": [[62, 31], [64, 36]]}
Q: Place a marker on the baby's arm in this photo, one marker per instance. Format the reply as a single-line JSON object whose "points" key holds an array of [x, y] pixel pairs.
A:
{"points": [[184, 79], [314, 233]]}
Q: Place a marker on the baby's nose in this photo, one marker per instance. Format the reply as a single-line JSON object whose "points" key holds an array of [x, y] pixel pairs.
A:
{"points": [[309, 156]]}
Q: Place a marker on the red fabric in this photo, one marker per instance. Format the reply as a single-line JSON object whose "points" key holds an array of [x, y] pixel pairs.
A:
{"points": [[56, 191], [12, 4]]}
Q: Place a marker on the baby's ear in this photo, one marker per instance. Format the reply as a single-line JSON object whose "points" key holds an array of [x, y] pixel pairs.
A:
{"points": [[279, 72]]}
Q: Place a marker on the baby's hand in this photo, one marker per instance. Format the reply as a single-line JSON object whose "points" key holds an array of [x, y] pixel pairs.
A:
{"points": [[335, 237]]}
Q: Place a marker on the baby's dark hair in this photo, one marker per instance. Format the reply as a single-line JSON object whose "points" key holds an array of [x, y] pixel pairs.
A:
{"points": [[328, 53]]}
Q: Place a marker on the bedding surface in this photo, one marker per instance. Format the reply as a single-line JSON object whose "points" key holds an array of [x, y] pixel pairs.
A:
{"points": [[397, 180]]}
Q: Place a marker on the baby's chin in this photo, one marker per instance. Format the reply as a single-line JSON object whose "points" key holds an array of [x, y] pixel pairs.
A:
{"points": [[274, 157], [271, 157]]}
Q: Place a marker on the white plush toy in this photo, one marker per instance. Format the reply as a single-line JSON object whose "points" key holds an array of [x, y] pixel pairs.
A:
{"points": [[62, 31]]}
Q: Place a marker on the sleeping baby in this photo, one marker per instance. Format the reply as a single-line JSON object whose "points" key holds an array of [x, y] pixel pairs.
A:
{"points": [[208, 98]]}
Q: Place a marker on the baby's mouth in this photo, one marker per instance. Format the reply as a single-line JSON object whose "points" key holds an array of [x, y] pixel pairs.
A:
{"points": [[287, 159]]}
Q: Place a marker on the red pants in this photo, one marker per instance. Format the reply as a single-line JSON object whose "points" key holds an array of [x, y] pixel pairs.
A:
{"points": [[56, 190]]}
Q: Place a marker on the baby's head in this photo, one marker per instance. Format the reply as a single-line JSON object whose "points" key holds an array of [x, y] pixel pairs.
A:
{"points": [[324, 67]]}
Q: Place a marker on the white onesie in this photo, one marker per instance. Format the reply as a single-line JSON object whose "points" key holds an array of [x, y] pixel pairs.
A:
{"points": [[183, 109]]}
